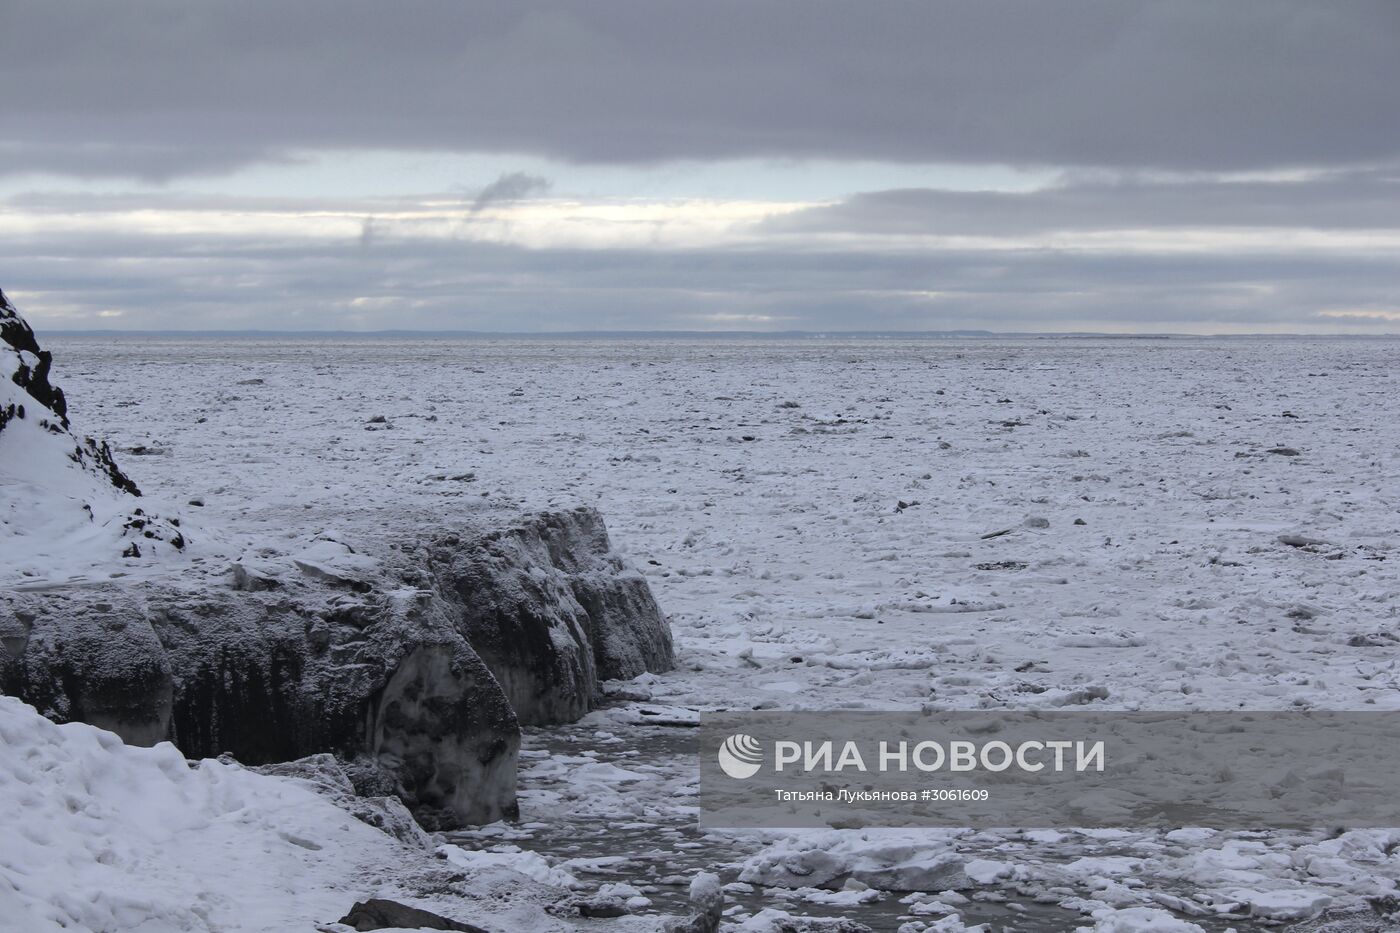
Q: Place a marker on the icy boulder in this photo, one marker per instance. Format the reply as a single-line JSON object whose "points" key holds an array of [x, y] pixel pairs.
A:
{"points": [[63, 499], [552, 610], [406, 651], [706, 906], [274, 675]]}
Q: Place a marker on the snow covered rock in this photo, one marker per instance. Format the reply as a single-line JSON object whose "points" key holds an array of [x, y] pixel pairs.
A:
{"points": [[408, 655], [275, 675], [706, 906], [381, 667], [64, 498]]}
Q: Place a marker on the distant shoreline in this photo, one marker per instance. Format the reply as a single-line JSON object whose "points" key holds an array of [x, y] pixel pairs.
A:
{"points": [[832, 335]]}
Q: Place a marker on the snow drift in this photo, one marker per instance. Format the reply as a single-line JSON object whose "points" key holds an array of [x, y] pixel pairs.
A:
{"points": [[104, 836]]}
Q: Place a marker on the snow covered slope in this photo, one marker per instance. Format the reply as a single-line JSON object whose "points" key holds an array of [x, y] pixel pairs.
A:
{"points": [[107, 837], [101, 836], [64, 502]]}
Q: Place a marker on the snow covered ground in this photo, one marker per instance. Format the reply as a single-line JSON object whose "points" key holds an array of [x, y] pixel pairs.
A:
{"points": [[1188, 524], [101, 836]]}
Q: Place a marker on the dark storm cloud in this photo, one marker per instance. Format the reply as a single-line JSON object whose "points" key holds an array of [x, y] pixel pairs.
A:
{"points": [[155, 89], [1356, 200]]}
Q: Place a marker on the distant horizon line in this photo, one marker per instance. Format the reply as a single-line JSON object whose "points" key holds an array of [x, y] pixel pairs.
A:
{"points": [[697, 334]]}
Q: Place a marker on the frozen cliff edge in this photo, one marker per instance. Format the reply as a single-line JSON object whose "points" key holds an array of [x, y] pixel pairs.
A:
{"points": [[412, 648], [413, 656]]}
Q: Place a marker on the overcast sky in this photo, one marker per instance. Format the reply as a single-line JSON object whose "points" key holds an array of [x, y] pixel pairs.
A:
{"points": [[1210, 167]]}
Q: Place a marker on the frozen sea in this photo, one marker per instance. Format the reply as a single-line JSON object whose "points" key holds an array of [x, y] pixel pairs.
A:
{"points": [[813, 516]]}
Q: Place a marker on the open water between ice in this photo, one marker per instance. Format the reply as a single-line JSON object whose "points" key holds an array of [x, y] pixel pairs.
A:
{"points": [[659, 849]]}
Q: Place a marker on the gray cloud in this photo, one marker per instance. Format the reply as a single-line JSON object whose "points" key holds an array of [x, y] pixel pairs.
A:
{"points": [[1351, 200], [157, 88], [119, 158], [512, 186], [167, 282]]}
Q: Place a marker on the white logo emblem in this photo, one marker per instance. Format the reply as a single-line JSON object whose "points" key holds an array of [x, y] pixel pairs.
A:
{"points": [[740, 756]]}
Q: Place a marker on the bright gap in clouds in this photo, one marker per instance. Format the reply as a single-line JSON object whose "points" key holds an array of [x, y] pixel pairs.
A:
{"points": [[1364, 314], [395, 174]]}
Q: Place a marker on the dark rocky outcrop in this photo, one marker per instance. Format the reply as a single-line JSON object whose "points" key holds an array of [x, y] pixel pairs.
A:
{"points": [[378, 913], [31, 372], [408, 659], [411, 653]]}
